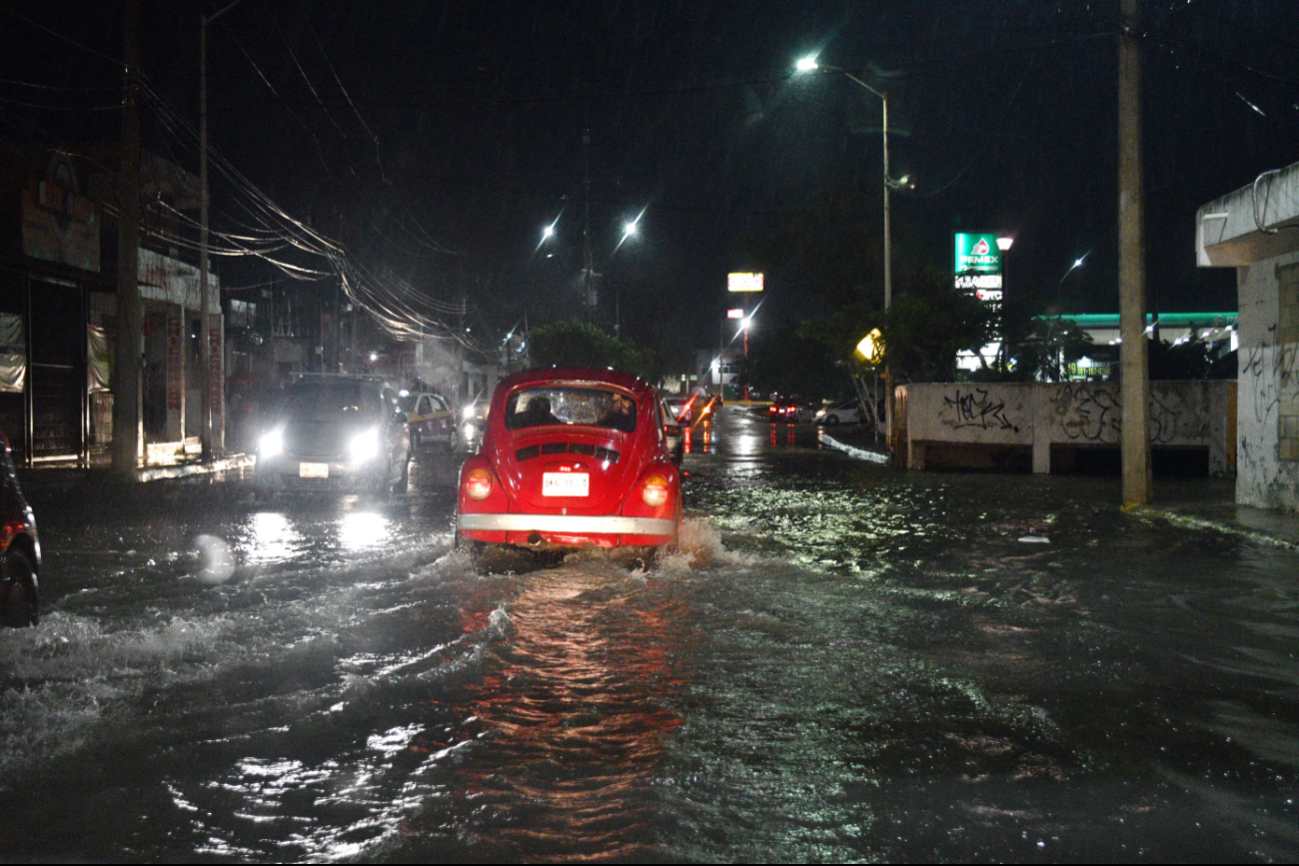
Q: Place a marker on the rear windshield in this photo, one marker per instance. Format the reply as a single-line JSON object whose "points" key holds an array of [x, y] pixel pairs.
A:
{"points": [[587, 407]]}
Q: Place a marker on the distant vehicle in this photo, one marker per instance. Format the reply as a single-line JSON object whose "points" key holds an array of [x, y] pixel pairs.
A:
{"points": [[338, 434], [672, 432], [20, 566], [571, 458], [788, 410], [848, 412], [694, 409], [430, 418]]}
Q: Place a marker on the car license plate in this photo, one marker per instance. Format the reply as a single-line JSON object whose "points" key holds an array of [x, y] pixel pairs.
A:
{"points": [[565, 484], [313, 470]]}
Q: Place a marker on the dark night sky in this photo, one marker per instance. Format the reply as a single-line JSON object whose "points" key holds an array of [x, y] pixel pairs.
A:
{"points": [[449, 133]]}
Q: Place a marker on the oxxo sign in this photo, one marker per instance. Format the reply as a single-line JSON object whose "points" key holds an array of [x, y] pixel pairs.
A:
{"points": [[978, 266]]}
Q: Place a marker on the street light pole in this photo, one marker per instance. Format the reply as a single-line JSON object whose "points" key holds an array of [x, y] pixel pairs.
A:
{"points": [[810, 64]]}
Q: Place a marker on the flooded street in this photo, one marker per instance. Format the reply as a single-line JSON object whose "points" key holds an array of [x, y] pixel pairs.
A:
{"points": [[842, 663]]}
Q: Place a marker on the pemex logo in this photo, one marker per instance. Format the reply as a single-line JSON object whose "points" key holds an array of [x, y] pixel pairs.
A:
{"points": [[981, 248]]}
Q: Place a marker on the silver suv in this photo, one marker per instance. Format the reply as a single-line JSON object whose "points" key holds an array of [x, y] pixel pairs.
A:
{"points": [[339, 434]]}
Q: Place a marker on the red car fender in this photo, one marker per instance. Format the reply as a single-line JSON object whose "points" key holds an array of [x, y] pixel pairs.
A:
{"points": [[634, 505], [497, 502]]}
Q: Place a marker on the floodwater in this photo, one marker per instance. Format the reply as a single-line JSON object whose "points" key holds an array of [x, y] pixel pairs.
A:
{"points": [[843, 663]]}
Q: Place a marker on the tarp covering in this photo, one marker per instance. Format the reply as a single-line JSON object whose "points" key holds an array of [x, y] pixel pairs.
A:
{"points": [[99, 369], [13, 353]]}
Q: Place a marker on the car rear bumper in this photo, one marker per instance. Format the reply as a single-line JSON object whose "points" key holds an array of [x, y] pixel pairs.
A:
{"points": [[568, 524]]}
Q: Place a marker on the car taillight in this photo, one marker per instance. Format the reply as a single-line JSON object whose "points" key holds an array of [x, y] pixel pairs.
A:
{"points": [[655, 492], [478, 484]]}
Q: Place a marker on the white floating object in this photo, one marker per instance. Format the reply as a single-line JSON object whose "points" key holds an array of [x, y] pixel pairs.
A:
{"points": [[1034, 539]]}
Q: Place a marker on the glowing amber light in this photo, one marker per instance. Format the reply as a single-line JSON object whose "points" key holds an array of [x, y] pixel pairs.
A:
{"points": [[871, 347], [655, 492], [478, 484]]}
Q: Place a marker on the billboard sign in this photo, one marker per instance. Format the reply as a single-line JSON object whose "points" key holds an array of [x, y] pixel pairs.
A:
{"points": [[978, 265], [744, 282]]}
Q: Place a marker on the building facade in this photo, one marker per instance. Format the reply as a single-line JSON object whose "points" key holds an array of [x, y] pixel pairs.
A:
{"points": [[1256, 231], [58, 306]]}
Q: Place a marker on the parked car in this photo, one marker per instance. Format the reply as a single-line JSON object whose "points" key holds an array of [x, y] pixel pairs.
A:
{"points": [[340, 434], [571, 458], [429, 418], [788, 410], [848, 412], [20, 566]]}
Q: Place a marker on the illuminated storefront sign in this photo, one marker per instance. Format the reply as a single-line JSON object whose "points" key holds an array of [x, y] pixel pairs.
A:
{"points": [[978, 266]]}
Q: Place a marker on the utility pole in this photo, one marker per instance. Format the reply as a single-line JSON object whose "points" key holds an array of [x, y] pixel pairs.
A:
{"points": [[126, 364], [205, 335], [1134, 359]]}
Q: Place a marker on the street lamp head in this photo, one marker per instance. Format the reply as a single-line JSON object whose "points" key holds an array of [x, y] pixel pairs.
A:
{"points": [[807, 64], [548, 232], [629, 229], [1004, 244]]}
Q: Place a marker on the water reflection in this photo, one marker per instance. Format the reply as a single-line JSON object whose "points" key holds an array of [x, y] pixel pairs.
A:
{"points": [[361, 530], [272, 538], [575, 705]]}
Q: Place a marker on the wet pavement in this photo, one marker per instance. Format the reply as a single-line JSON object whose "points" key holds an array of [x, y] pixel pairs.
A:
{"points": [[844, 662]]}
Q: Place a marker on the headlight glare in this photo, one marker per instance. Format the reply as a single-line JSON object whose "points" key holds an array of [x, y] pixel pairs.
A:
{"points": [[271, 444], [364, 447]]}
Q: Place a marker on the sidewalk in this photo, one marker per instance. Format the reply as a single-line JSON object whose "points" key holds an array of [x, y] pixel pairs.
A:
{"points": [[69, 474], [1210, 504], [1207, 503]]}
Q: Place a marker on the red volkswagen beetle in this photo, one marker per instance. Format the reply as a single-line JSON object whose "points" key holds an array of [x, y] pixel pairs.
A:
{"points": [[571, 458]]}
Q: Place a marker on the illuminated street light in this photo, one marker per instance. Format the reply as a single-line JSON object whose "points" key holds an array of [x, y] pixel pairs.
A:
{"points": [[1076, 264], [810, 64]]}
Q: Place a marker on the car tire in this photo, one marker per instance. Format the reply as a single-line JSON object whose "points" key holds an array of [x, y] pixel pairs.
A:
{"points": [[832, 420], [19, 598], [453, 439]]}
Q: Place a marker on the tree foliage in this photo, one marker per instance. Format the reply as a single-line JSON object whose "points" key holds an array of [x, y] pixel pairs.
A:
{"points": [[577, 344], [928, 324], [794, 361]]}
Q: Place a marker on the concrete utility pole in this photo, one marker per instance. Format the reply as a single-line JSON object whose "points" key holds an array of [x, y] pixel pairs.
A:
{"points": [[205, 329], [1134, 359], [127, 360]]}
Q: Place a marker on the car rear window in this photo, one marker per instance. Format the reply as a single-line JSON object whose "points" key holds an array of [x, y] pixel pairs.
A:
{"points": [[586, 407]]}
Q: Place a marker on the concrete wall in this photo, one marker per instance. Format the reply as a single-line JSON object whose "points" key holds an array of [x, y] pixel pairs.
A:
{"points": [[1182, 414], [1268, 465]]}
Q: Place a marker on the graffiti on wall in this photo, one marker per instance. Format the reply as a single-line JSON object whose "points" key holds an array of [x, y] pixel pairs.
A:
{"points": [[1266, 372], [1088, 412], [976, 408]]}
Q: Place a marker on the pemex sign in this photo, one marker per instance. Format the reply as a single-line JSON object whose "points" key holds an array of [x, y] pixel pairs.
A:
{"points": [[978, 266]]}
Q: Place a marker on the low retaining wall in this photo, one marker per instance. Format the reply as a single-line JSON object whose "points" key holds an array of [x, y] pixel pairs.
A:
{"points": [[1036, 416]]}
